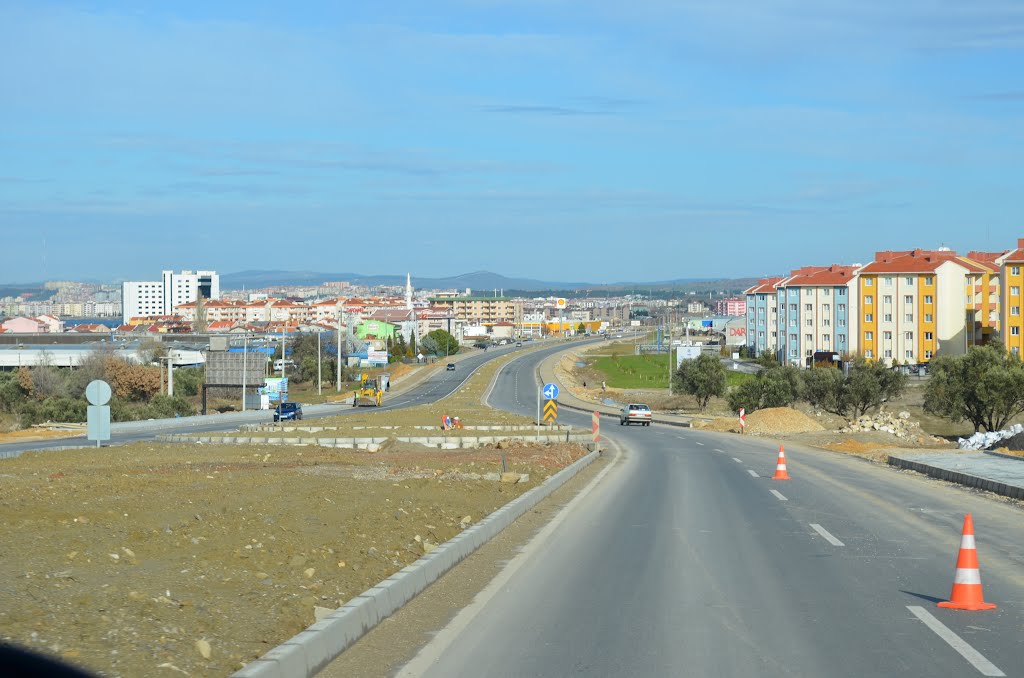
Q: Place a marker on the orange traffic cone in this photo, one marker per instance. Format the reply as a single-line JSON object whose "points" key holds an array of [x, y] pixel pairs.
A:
{"points": [[966, 593], [780, 468]]}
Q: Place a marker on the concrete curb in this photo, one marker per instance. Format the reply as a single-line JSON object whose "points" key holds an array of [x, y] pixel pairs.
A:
{"points": [[967, 479], [308, 652]]}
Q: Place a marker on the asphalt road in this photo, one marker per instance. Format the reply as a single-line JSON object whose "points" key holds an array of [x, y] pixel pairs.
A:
{"points": [[437, 386], [688, 560]]}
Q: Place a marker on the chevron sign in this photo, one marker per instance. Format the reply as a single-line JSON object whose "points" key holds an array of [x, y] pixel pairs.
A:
{"points": [[550, 411]]}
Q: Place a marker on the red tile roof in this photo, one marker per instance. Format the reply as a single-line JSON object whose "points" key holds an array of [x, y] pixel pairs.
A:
{"points": [[764, 286], [820, 276], [922, 261]]}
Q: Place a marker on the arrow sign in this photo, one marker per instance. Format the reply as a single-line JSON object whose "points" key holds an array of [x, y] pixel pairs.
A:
{"points": [[550, 391], [550, 411]]}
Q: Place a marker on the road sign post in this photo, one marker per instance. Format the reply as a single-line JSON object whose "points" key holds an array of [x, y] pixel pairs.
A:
{"points": [[595, 427], [98, 411], [743, 421]]}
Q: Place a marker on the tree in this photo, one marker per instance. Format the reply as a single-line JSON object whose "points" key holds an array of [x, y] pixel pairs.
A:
{"points": [[581, 328], [440, 342], [869, 385], [703, 378], [767, 359], [823, 389], [779, 386], [985, 387]]}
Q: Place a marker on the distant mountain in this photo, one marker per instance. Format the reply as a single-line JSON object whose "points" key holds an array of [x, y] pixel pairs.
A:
{"points": [[478, 281]]}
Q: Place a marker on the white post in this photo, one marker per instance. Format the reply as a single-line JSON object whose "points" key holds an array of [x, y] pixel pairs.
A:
{"points": [[245, 364], [337, 366], [170, 375]]}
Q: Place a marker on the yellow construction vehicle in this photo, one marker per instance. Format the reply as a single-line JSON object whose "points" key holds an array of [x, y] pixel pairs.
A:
{"points": [[369, 393]]}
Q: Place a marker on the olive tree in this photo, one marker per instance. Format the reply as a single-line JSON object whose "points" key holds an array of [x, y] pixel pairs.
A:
{"points": [[985, 386], [703, 378]]}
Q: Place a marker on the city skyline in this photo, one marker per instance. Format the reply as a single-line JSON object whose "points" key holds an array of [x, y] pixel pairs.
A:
{"points": [[535, 140]]}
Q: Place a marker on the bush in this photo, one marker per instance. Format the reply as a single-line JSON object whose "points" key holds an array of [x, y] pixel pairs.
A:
{"points": [[188, 380], [985, 387], [779, 386]]}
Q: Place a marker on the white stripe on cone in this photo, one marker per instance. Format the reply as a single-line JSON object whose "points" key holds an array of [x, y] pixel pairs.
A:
{"points": [[967, 542], [967, 577]]}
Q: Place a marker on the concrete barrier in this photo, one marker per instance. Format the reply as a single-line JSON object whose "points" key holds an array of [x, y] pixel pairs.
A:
{"points": [[306, 653]]}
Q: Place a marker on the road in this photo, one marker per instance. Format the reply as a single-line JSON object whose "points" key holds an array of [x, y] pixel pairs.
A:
{"points": [[687, 559], [434, 387]]}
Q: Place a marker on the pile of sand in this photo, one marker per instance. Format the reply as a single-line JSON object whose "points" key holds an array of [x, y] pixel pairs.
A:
{"points": [[781, 420]]}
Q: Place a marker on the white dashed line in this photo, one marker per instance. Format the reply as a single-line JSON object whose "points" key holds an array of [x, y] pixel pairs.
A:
{"points": [[778, 495], [738, 461], [826, 534], [701, 444], [753, 473], [718, 450], [979, 662]]}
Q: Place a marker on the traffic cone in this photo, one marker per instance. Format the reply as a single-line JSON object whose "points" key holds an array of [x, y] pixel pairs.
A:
{"points": [[780, 467], [966, 593]]}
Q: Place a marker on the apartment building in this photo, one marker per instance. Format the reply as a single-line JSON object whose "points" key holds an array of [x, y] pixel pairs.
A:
{"points": [[916, 303], [481, 310], [1011, 266], [816, 308], [762, 316], [732, 307], [154, 298]]}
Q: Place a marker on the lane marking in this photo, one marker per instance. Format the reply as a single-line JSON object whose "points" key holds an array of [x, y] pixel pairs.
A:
{"points": [[753, 473], [718, 450], [978, 660], [738, 461], [700, 443], [826, 534], [778, 495]]}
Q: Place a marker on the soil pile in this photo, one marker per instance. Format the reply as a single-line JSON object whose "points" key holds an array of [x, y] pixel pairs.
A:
{"points": [[781, 420]]}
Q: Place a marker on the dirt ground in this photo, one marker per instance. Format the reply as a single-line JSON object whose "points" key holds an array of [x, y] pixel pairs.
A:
{"points": [[150, 559]]}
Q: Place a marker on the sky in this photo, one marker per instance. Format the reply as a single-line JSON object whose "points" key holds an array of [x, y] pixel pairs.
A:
{"points": [[586, 140]]}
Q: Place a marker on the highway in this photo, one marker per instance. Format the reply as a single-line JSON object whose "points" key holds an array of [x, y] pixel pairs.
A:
{"points": [[434, 387], [687, 559]]}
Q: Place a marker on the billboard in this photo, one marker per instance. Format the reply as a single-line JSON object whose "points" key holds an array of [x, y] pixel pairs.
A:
{"points": [[377, 358], [708, 324], [686, 353], [276, 388]]}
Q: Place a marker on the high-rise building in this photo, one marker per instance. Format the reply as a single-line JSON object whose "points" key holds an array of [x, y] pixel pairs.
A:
{"points": [[150, 298]]}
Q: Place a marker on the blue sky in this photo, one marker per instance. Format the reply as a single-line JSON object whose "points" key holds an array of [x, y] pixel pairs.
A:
{"points": [[587, 140]]}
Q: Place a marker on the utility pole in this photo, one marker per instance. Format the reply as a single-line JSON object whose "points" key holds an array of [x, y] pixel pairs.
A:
{"points": [[337, 366], [245, 364], [319, 367]]}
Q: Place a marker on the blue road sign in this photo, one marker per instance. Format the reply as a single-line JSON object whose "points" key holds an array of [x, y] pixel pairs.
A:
{"points": [[550, 391]]}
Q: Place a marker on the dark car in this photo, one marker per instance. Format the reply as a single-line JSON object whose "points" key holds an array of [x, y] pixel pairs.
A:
{"points": [[451, 367], [288, 411]]}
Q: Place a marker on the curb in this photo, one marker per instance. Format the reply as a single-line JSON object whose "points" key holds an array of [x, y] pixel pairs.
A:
{"points": [[308, 652], [967, 479]]}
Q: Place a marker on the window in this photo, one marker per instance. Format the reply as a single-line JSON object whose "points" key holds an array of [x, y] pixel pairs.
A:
{"points": [[869, 336], [908, 354], [808, 307], [869, 353], [809, 322], [887, 336], [909, 280], [825, 322], [826, 292], [928, 354], [887, 317], [809, 338], [794, 352], [929, 280], [1015, 270], [840, 339], [929, 336], [909, 336], [869, 299], [793, 338], [826, 308], [1015, 291], [808, 292], [792, 308], [841, 322], [888, 353], [1015, 310], [1014, 331], [841, 308], [869, 282], [1015, 350], [826, 339], [928, 317], [888, 281], [909, 317], [869, 317], [908, 300], [841, 292], [887, 299]]}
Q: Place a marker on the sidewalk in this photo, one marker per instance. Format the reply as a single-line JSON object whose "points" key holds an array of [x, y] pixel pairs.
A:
{"points": [[992, 472]]}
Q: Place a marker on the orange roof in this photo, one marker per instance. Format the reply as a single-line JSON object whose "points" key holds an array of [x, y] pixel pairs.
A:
{"points": [[921, 261], [821, 276], [764, 285]]}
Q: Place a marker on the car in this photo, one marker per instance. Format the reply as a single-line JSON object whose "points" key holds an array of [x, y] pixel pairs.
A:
{"points": [[288, 411], [280, 364], [518, 344], [450, 367], [635, 413]]}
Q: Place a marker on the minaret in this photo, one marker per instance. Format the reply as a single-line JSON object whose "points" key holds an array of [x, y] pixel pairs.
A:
{"points": [[408, 291]]}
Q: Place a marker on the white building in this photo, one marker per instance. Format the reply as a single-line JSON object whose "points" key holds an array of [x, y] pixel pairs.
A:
{"points": [[173, 289]]}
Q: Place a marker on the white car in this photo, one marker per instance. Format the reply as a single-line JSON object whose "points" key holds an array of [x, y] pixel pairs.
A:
{"points": [[635, 413]]}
